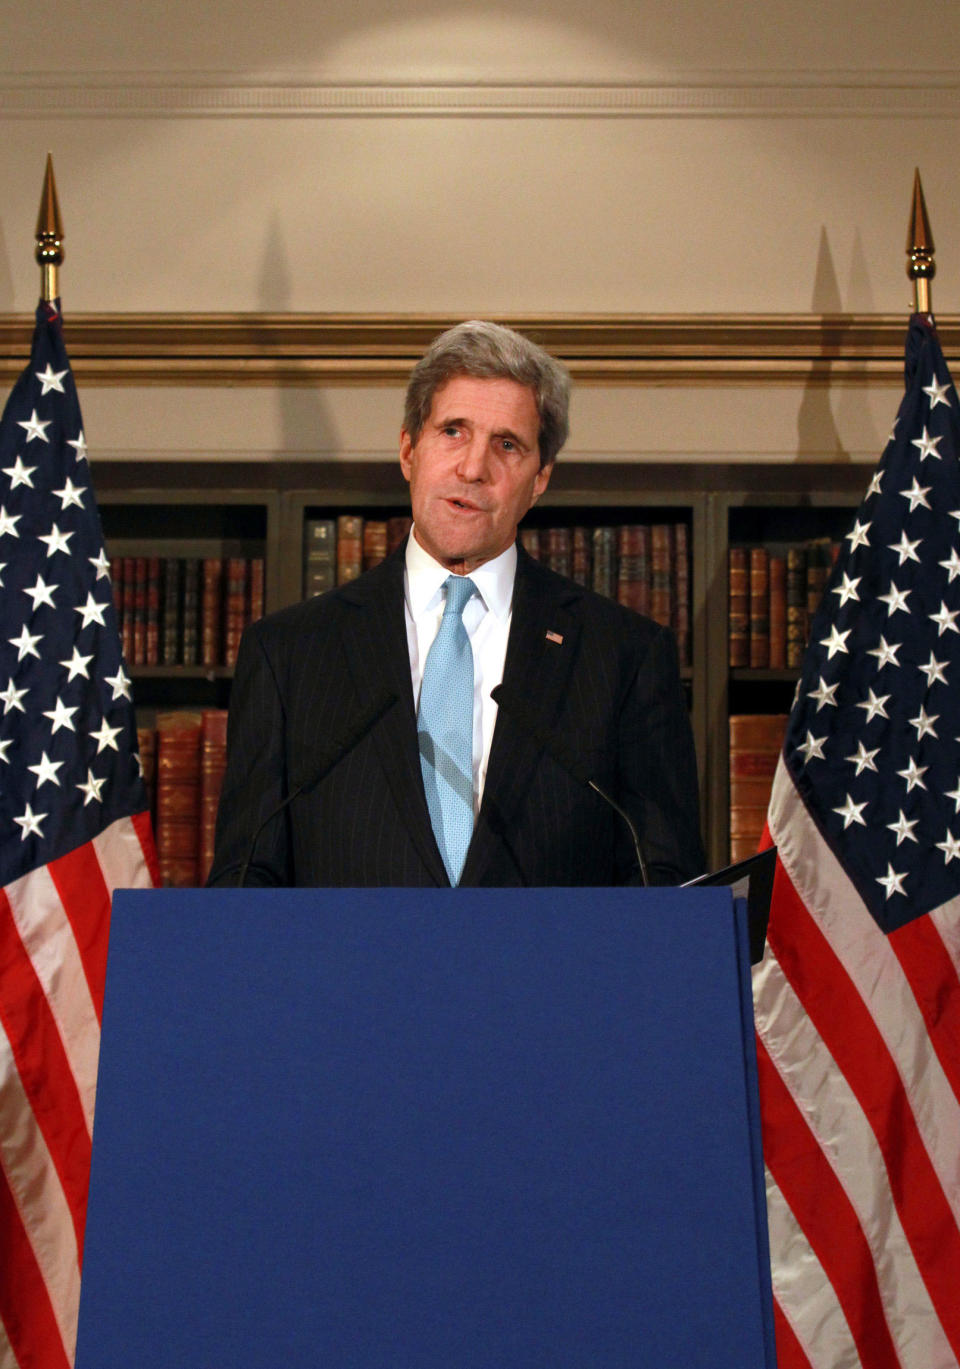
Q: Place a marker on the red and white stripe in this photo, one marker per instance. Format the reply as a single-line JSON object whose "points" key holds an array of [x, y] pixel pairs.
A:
{"points": [[54, 924], [859, 1061]]}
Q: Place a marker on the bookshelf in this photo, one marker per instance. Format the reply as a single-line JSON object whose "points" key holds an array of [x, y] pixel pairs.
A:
{"points": [[210, 509]]}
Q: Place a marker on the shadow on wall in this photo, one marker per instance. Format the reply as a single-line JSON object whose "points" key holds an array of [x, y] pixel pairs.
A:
{"points": [[817, 435], [6, 276], [306, 426]]}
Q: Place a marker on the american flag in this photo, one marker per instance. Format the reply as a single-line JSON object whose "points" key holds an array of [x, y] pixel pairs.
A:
{"points": [[858, 997], [73, 827]]}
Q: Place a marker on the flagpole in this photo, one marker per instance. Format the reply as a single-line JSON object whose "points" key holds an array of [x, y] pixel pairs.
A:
{"points": [[49, 236], [921, 267]]}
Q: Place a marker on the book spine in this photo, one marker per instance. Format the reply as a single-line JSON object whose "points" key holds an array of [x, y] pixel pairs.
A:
{"points": [[190, 650], [755, 743], [374, 542], [796, 606], [129, 604], [397, 529], [581, 556], [234, 608], [178, 797], [319, 556], [349, 547], [605, 561], [556, 550], [152, 646], [530, 541], [738, 622], [211, 612], [759, 608], [778, 613], [661, 574], [213, 763], [633, 571], [171, 622], [140, 610], [256, 576], [681, 594]]}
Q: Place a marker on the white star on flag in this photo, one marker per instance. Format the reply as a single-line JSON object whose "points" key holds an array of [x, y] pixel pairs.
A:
{"points": [[944, 619], [34, 428], [824, 694], [857, 537], [812, 748], [61, 716], [77, 665], [874, 706], [42, 593], [924, 724], [895, 600], [848, 590], [893, 882], [905, 549], [852, 812], [950, 847], [20, 474], [106, 737], [937, 393], [91, 790], [885, 653], [916, 495], [934, 671], [927, 445], [26, 643], [56, 540], [11, 696], [119, 683], [70, 494], [952, 565], [46, 771], [913, 774], [8, 522], [864, 759], [79, 446], [835, 642], [101, 564], [903, 828], [91, 611], [29, 822], [50, 380]]}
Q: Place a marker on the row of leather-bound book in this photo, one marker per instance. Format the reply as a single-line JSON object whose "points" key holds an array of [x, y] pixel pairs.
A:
{"points": [[176, 611], [773, 595], [644, 566], [183, 757]]}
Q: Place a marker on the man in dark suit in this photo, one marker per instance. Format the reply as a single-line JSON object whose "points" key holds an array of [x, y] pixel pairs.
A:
{"points": [[378, 696]]}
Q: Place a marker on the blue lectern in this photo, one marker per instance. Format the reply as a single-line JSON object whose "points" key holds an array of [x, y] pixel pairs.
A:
{"points": [[453, 1129]]}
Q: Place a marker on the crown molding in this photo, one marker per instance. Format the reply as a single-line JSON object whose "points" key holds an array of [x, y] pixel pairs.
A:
{"points": [[706, 94], [338, 349]]}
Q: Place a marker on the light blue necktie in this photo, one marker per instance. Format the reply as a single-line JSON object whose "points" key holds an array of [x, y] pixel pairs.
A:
{"points": [[445, 729]]}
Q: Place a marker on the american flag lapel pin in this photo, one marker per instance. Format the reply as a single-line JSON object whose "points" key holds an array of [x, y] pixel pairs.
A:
{"points": [[555, 637]]}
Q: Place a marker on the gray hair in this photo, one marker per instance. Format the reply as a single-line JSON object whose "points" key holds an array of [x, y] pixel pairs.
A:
{"points": [[492, 352]]}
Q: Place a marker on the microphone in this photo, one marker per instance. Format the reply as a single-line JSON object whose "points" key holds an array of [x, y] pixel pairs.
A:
{"points": [[339, 745], [559, 750]]}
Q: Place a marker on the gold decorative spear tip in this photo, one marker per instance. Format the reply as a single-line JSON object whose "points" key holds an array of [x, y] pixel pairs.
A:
{"points": [[49, 236], [921, 267]]}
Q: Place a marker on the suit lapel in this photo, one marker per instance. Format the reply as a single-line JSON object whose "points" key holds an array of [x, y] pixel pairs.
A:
{"points": [[537, 668], [375, 642]]}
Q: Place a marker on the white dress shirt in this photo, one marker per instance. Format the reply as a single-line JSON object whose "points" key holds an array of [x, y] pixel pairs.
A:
{"points": [[487, 621]]}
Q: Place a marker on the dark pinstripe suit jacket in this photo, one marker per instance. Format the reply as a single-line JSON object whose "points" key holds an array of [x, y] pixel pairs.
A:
{"points": [[610, 689]]}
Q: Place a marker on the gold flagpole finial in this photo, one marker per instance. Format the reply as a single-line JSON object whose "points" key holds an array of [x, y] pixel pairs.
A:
{"points": [[921, 267], [49, 236]]}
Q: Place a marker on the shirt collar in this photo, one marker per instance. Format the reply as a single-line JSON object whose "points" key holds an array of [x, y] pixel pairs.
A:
{"points": [[425, 577]]}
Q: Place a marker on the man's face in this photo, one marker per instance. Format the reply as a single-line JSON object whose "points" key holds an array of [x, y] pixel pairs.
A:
{"points": [[474, 471]]}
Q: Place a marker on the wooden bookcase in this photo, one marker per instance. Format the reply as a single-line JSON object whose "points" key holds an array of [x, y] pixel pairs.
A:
{"points": [[211, 509]]}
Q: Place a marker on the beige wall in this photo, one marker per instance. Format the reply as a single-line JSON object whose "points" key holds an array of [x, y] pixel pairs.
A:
{"points": [[539, 158]]}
